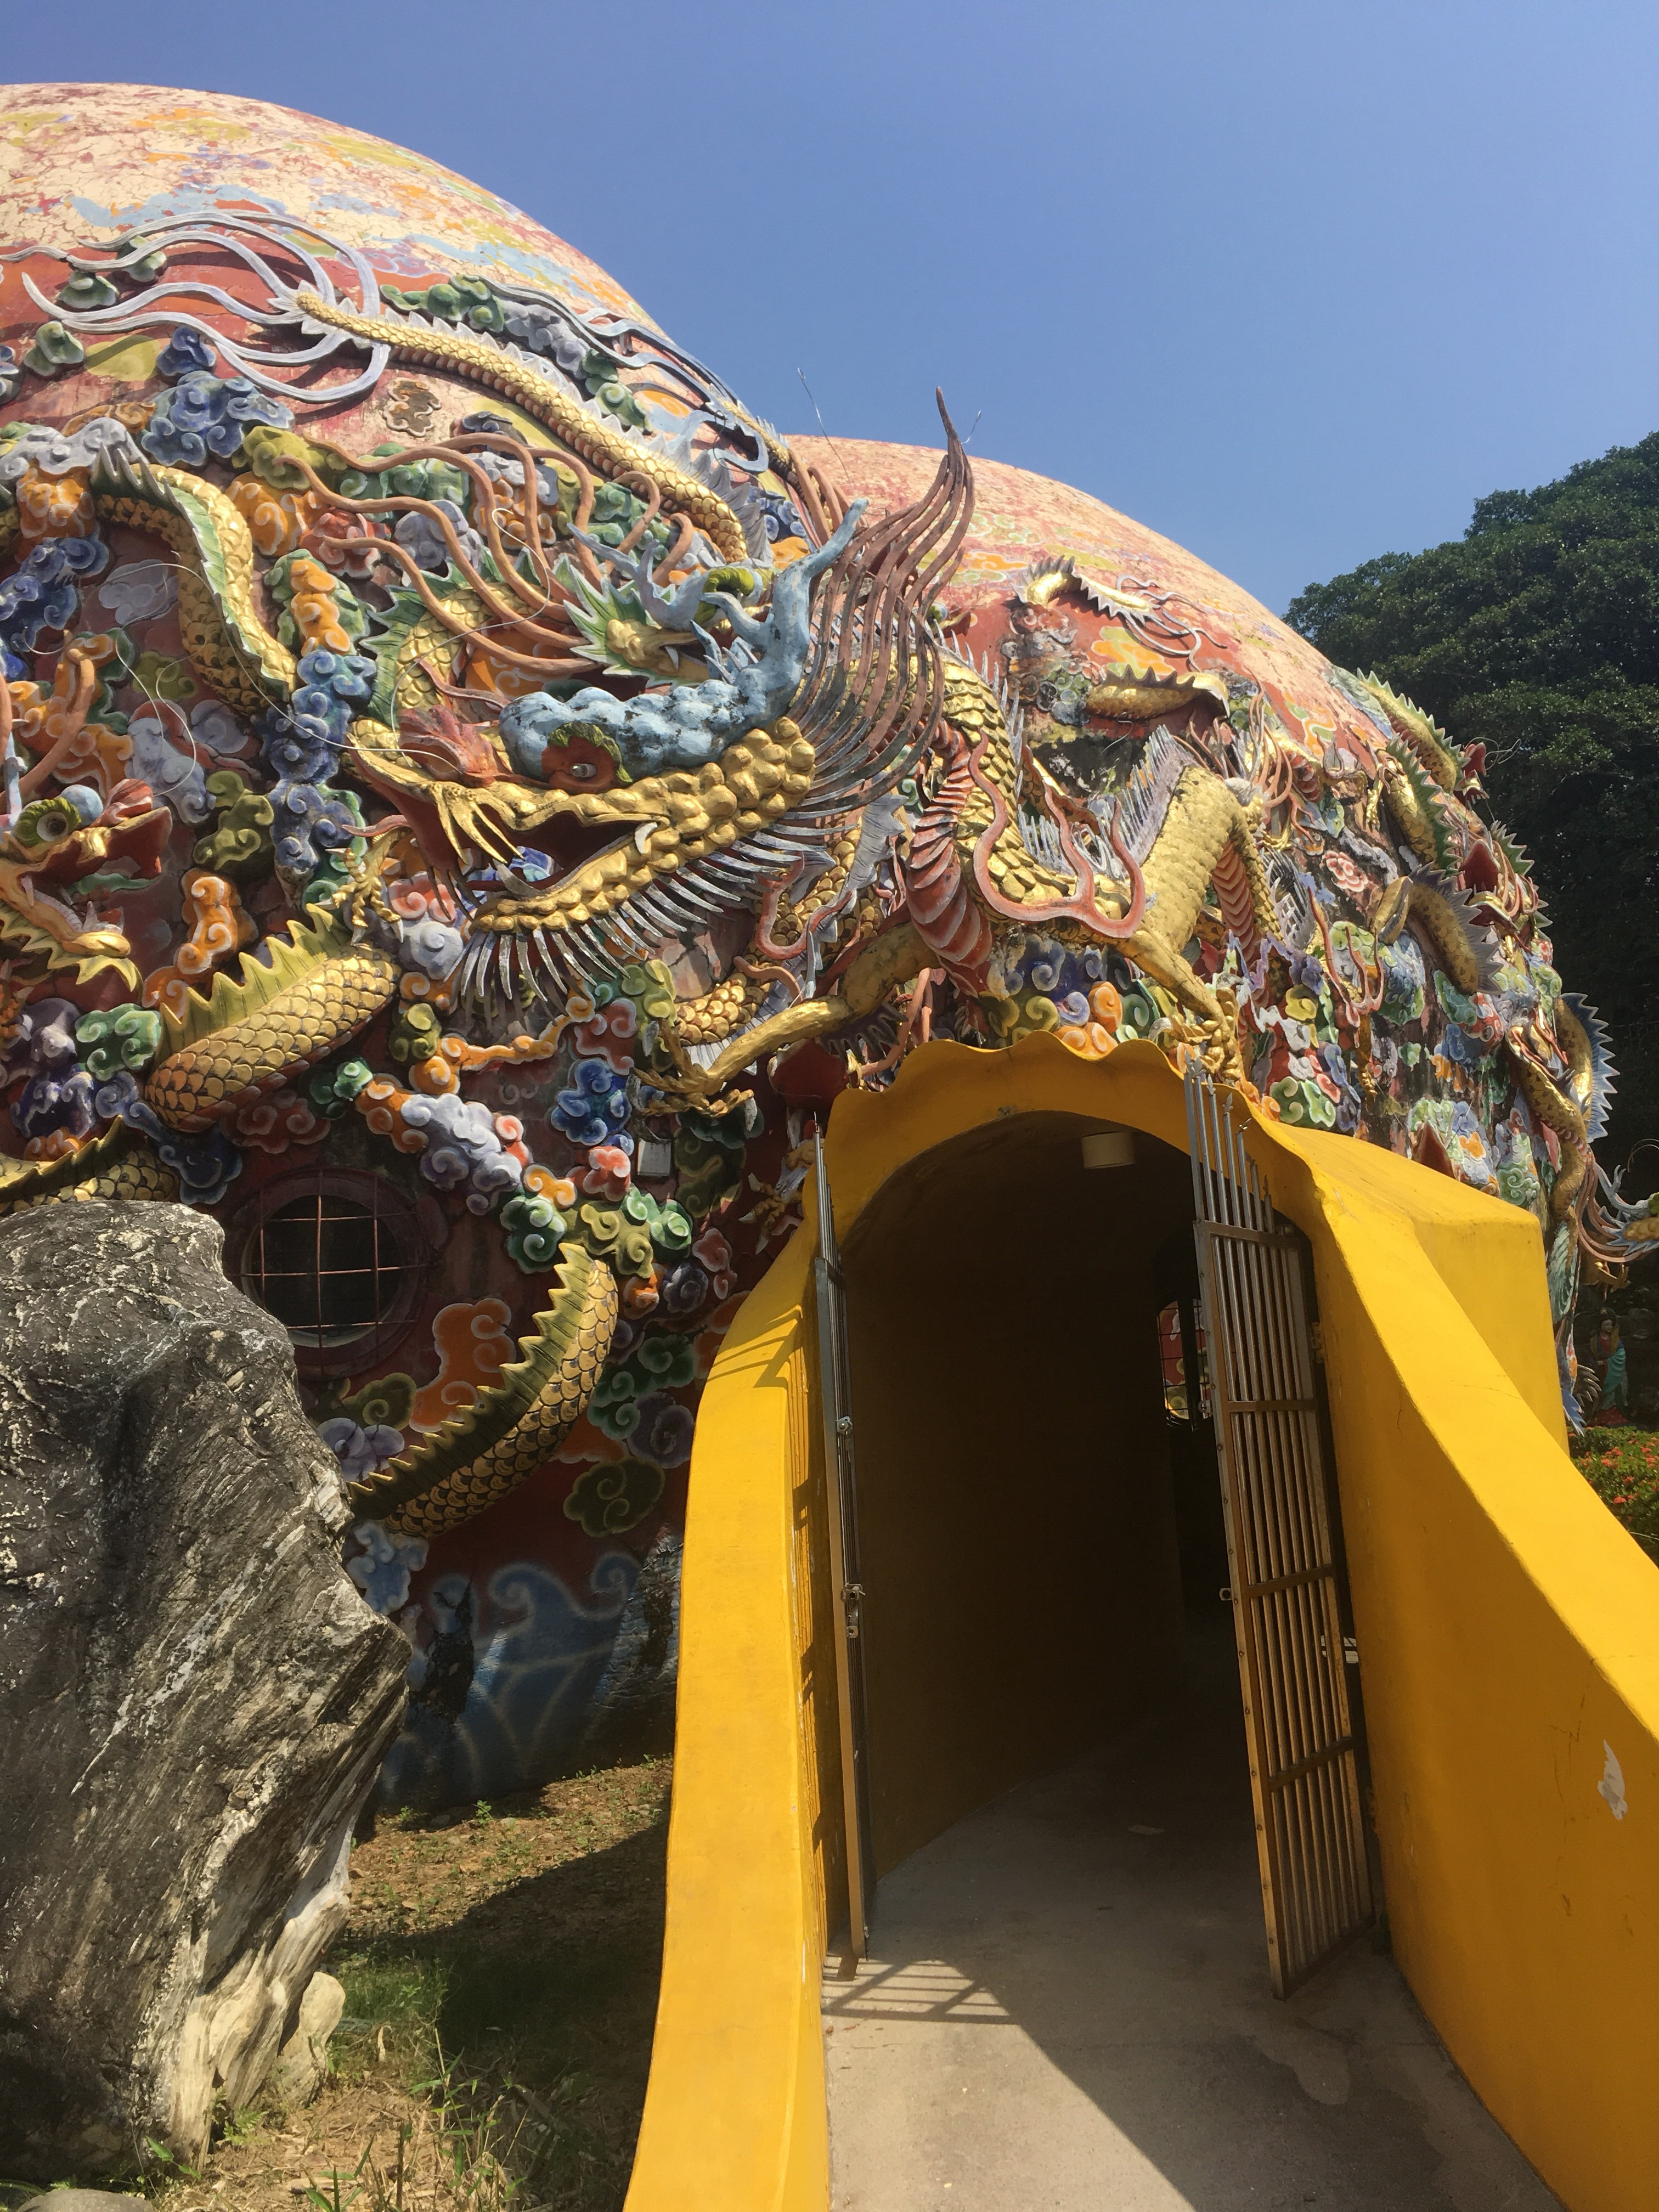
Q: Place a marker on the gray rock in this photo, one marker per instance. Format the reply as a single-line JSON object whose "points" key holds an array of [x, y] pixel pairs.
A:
{"points": [[81, 2200], [633, 1715], [301, 2065], [193, 1697]]}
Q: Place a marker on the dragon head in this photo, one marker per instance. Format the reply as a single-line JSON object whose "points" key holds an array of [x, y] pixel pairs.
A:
{"points": [[77, 846], [550, 874], [577, 827]]}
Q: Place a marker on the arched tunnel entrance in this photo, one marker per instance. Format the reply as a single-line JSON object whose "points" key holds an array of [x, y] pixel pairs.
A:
{"points": [[1029, 1543], [1109, 2025], [1065, 1998]]}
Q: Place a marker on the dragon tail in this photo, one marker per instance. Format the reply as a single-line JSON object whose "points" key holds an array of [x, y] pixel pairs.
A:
{"points": [[513, 1427]]}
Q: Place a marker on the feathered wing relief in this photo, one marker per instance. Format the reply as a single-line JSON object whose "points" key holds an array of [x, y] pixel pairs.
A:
{"points": [[872, 690]]}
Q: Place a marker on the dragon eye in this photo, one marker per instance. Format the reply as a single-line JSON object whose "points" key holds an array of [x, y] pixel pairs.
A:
{"points": [[45, 822], [579, 765]]}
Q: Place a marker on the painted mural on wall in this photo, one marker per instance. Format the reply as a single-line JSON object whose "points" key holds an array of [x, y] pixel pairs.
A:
{"points": [[474, 795]]}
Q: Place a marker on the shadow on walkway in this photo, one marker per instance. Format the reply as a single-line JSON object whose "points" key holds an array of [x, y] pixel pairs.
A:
{"points": [[1068, 2007]]}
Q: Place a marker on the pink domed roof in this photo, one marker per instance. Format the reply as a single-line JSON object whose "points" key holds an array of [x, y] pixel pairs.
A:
{"points": [[84, 162], [1020, 519]]}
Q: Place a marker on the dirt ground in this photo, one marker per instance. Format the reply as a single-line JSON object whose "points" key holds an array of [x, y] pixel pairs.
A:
{"points": [[501, 1969]]}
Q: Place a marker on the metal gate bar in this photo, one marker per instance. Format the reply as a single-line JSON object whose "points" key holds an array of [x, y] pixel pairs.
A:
{"points": [[845, 1591], [1280, 1512]]}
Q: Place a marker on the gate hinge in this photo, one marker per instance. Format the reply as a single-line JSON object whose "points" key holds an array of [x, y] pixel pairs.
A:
{"points": [[1351, 1650], [1316, 1339]]}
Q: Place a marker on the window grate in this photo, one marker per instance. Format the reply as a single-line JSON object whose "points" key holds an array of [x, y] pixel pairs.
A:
{"points": [[330, 1270]]}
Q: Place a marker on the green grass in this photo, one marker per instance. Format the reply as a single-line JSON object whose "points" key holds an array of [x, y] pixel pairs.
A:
{"points": [[505, 1968], [545, 2044]]}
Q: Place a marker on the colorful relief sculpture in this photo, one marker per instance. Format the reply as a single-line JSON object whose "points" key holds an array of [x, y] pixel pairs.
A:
{"points": [[474, 794]]}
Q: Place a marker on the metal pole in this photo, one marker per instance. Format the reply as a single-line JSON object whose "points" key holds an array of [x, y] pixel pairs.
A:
{"points": [[836, 1415]]}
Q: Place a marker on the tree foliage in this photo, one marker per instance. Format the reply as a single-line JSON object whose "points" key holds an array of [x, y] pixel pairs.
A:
{"points": [[1537, 633]]}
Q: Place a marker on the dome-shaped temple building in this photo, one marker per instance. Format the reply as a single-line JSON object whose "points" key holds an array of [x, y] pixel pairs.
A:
{"points": [[851, 1034]]}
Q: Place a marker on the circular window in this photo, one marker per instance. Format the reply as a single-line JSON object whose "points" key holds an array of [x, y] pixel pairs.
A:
{"points": [[336, 1261]]}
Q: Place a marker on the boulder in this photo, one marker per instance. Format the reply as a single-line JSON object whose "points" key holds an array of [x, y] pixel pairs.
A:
{"points": [[194, 1698], [81, 2200], [633, 1714], [301, 2065]]}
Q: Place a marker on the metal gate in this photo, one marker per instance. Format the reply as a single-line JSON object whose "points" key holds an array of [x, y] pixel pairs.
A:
{"points": [[1282, 1545], [846, 1592]]}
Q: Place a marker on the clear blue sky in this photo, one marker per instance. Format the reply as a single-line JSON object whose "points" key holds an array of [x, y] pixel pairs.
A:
{"points": [[1294, 280]]}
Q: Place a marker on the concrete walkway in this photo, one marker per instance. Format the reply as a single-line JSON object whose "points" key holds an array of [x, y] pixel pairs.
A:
{"points": [[1067, 2010]]}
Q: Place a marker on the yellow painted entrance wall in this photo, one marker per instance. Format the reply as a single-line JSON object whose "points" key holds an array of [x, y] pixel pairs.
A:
{"points": [[1509, 1634]]}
